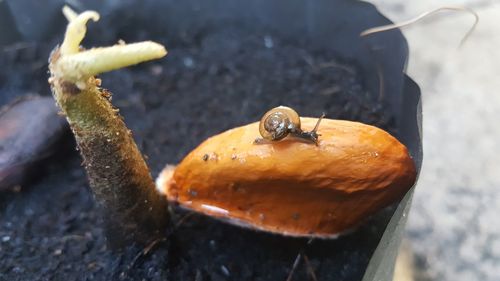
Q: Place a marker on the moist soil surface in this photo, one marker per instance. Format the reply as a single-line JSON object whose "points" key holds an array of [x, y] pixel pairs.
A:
{"points": [[209, 82]]}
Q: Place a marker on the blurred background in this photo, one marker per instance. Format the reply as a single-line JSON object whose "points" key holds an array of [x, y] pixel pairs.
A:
{"points": [[454, 225]]}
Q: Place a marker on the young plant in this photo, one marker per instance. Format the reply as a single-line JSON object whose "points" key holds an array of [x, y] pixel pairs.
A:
{"points": [[119, 177]]}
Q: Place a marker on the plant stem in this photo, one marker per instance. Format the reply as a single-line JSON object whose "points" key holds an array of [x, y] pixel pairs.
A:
{"points": [[119, 177]]}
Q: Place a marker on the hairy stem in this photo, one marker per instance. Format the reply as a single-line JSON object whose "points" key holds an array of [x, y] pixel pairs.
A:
{"points": [[118, 175]]}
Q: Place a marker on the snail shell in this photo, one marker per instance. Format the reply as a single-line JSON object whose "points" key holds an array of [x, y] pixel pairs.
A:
{"points": [[278, 122]]}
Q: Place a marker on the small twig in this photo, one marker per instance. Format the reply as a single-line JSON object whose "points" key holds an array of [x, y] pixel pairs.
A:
{"points": [[310, 270], [423, 15], [294, 266], [297, 261], [183, 220], [225, 271], [146, 251], [383, 28]]}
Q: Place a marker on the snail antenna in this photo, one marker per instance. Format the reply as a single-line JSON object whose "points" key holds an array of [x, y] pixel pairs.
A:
{"points": [[317, 123]]}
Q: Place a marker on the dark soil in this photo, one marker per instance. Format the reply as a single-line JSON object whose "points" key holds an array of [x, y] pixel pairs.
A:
{"points": [[209, 82]]}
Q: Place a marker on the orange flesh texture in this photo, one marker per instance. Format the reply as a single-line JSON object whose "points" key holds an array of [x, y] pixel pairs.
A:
{"points": [[294, 187]]}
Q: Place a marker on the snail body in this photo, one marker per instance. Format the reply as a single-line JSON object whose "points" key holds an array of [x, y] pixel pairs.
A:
{"points": [[281, 121]]}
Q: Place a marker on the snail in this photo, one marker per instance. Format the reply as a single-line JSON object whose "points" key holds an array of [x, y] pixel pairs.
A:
{"points": [[281, 121]]}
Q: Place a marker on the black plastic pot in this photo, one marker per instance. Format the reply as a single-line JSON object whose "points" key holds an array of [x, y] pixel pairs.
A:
{"points": [[326, 24]]}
